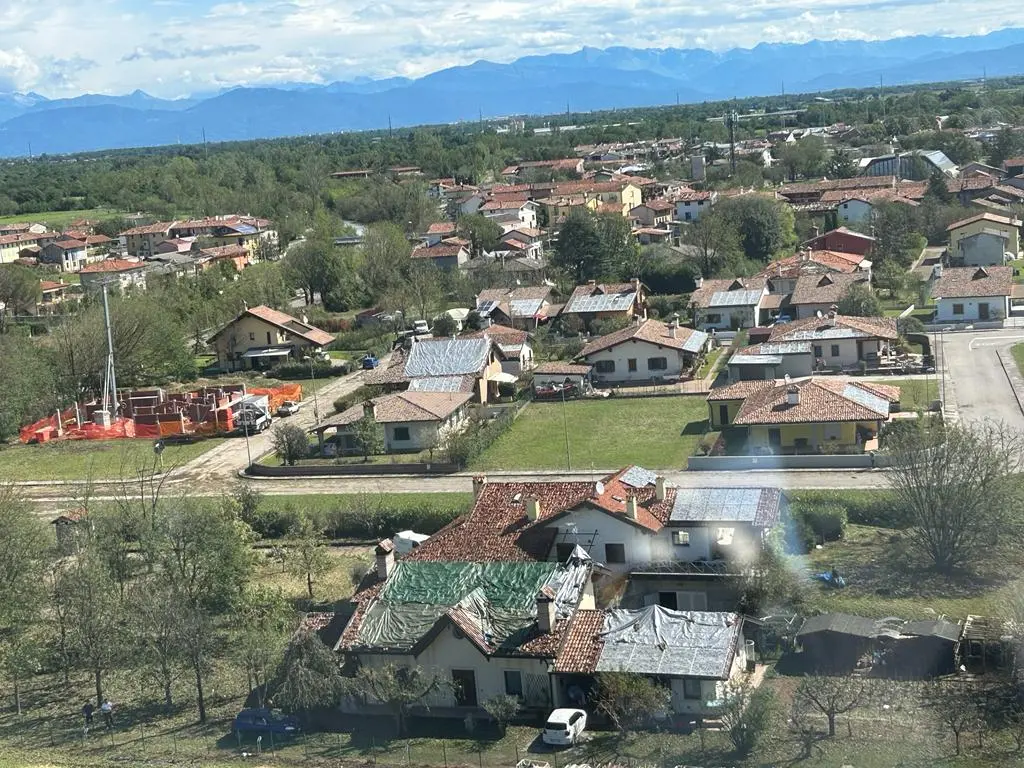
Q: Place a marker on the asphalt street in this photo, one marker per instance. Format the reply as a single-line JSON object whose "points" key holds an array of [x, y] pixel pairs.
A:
{"points": [[976, 384]]}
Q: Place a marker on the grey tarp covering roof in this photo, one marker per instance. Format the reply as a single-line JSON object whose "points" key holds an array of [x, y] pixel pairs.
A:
{"points": [[499, 599], [867, 399], [638, 477], [447, 357], [442, 384], [525, 307], [758, 506], [826, 334], [755, 360], [658, 641], [784, 348]]}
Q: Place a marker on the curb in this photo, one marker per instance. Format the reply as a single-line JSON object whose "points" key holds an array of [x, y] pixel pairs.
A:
{"points": [[1010, 379]]}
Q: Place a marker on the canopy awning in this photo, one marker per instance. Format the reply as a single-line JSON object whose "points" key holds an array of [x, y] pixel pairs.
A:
{"points": [[268, 352], [504, 378]]}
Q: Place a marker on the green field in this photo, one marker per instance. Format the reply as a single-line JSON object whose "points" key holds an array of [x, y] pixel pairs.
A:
{"points": [[915, 394], [1017, 350], [59, 219], [655, 432], [96, 459]]}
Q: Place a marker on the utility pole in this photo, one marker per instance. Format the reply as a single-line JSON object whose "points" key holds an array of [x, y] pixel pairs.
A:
{"points": [[731, 121], [881, 94], [109, 378]]}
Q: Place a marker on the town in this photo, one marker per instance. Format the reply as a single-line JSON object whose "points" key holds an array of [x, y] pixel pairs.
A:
{"points": [[582, 442]]}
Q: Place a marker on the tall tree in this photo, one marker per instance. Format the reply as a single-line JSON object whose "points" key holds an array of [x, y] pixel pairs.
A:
{"points": [[308, 676], [713, 240], [397, 688], [20, 291], [483, 233], [859, 301], [937, 189], [619, 247], [386, 262], [96, 617], [154, 616], [308, 557], [424, 289], [578, 251], [262, 620], [763, 226], [957, 487], [630, 700]]}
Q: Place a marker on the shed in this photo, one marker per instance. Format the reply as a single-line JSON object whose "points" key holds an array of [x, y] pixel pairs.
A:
{"points": [[922, 649], [71, 529], [835, 642]]}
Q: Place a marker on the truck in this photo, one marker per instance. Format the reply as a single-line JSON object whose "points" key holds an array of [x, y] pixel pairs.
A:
{"points": [[252, 414]]}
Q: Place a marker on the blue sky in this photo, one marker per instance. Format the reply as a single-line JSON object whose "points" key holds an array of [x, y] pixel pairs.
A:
{"points": [[174, 48]]}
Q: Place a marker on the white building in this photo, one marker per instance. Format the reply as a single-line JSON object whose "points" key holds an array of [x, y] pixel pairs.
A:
{"points": [[645, 350], [972, 294]]}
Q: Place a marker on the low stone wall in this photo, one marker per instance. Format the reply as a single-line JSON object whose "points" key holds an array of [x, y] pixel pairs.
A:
{"points": [[328, 470]]}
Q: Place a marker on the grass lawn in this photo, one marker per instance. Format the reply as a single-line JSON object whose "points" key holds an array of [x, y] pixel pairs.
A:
{"points": [[314, 503], [709, 362], [59, 219], [1018, 270], [914, 393], [1017, 350], [102, 459], [655, 432]]}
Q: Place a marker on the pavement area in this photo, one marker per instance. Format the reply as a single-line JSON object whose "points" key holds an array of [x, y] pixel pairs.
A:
{"points": [[977, 385]]}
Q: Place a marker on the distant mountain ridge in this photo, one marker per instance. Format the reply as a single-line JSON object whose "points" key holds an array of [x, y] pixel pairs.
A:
{"points": [[588, 79]]}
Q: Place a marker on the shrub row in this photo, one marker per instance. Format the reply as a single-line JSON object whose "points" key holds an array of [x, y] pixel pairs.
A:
{"points": [[292, 371], [462, 448], [358, 395], [863, 507], [815, 523], [372, 520]]}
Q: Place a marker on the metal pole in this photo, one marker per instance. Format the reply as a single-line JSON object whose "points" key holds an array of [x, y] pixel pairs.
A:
{"points": [[565, 427], [110, 380], [316, 404], [248, 453]]}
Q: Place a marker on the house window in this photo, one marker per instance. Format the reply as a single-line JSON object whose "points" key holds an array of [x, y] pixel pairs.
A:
{"points": [[513, 682], [713, 318], [252, 337], [681, 538], [668, 600], [835, 350], [688, 216], [818, 351], [269, 342], [958, 309], [615, 553], [657, 363], [400, 434], [691, 689], [605, 366], [631, 365]]}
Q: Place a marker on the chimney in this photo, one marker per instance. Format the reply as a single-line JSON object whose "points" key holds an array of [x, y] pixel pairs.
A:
{"points": [[673, 326], [369, 412], [479, 481], [631, 506], [635, 282], [591, 282], [793, 395], [698, 281], [532, 508], [832, 316], [385, 558], [659, 488], [546, 610]]}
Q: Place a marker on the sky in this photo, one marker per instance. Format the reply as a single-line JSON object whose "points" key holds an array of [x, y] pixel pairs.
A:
{"points": [[174, 48]]}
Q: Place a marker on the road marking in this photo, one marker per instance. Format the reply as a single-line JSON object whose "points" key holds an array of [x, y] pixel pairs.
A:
{"points": [[987, 342]]}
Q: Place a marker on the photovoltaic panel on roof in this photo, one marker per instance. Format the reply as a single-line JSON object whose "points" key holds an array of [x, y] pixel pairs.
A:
{"points": [[695, 343], [605, 302], [755, 360], [735, 298], [865, 398], [486, 307], [436, 384], [825, 334], [638, 477], [526, 307], [785, 348], [716, 505]]}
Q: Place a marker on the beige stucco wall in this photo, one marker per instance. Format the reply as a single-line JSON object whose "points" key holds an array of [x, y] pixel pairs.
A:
{"points": [[974, 228], [248, 332], [640, 351]]}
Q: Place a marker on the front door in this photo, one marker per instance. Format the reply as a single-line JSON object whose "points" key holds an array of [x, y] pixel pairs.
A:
{"points": [[983, 312], [723, 415], [464, 681], [774, 438]]}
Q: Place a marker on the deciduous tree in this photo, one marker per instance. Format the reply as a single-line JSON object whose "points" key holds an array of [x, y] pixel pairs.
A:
{"points": [[713, 240], [763, 226], [578, 251], [308, 676], [630, 700], [831, 696], [859, 301], [308, 557], [397, 688], [290, 443]]}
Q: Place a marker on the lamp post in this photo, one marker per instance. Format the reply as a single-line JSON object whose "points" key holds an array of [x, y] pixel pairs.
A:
{"points": [[312, 376]]}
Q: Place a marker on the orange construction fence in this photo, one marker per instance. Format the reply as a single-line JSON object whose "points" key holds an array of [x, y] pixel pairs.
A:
{"points": [[278, 395]]}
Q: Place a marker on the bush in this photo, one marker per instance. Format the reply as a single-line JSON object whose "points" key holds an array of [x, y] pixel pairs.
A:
{"points": [[444, 326], [462, 448], [817, 523], [362, 339], [608, 325], [875, 508], [376, 520], [359, 395], [292, 371]]}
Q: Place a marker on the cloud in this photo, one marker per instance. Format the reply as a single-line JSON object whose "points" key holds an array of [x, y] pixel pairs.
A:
{"points": [[115, 46]]}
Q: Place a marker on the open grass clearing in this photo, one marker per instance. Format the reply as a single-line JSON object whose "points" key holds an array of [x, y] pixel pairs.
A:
{"points": [[59, 219], [655, 432], [92, 459], [915, 394]]}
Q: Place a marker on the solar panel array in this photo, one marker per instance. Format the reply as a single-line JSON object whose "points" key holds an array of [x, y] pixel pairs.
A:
{"points": [[865, 398], [447, 357], [436, 384], [638, 477], [604, 302], [825, 334], [525, 307], [735, 298], [486, 307], [715, 505], [755, 360], [785, 348]]}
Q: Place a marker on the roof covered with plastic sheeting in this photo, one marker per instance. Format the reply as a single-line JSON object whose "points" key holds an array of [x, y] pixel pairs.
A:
{"points": [[735, 298], [757, 506], [447, 357], [638, 477], [824, 334], [755, 360], [526, 307], [492, 603], [658, 641]]}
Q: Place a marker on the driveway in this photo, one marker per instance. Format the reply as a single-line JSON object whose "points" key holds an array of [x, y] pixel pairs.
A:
{"points": [[977, 386]]}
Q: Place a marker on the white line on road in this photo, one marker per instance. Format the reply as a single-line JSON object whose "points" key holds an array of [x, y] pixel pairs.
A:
{"points": [[987, 342]]}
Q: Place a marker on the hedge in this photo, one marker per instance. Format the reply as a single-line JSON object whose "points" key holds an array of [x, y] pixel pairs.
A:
{"points": [[462, 448], [863, 507], [292, 371], [815, 523], [373, 520], [358, 395]]}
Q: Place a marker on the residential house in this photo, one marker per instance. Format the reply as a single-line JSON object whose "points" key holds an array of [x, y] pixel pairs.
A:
{"points": [[511, 214], [969, 294], [619, 196], [527, 242], [558, 207], [522, 306], [443, 365], [237, 255], [447, 254], [842, 239], [653, 213], [645, 350], [558, 373], [141, 242], [569, 165], [21, 228], [52, 295], [695, 654], [119, 274], [1014, 166], [10, 247], [729, 304], [507, 267], [261, 337], [515, 353], [984, 240], [799, 348], [812, 415], [174, 245], [67, 255], [411, 421], [438, 231], [691, 204], [818, 294], [599, 301], [651, 235], [245, 231]]}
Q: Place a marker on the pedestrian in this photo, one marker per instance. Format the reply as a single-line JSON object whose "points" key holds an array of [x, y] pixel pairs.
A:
{"points": [[107, 710], [87, 710]]}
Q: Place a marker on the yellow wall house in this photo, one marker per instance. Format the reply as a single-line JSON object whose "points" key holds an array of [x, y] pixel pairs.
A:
{"points": [[812, 415], [1006, 226], [261, 337]]}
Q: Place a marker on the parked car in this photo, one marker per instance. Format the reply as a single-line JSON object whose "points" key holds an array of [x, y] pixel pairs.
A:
{"points": [[421, 327], [370, 362], [288, 408], [265, 721], [564, 727]]}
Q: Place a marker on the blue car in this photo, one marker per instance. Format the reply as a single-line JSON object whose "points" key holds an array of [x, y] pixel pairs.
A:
{"points": [[265, 721], [370, 362]]}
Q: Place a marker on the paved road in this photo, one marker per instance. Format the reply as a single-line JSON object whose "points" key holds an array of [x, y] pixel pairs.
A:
{"points": [[977, 386]]}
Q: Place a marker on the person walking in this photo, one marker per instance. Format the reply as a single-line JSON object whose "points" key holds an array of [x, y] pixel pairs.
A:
{"points": [[107, 710], [87, 710]]}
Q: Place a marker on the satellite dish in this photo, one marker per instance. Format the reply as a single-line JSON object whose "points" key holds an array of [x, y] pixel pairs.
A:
{"points": [[599, 488]]}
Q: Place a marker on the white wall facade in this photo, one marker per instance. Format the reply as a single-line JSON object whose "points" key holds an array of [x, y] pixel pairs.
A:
{"points": [[842, 352], [422, 434], [710, 690], [998, 307], [725, 318], [854, 211], [692, 210], [641, 353]]}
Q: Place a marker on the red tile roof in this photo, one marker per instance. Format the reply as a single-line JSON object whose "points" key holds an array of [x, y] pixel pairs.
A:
{"points": [[821, 400], [651, 331], [990, 217], [441, 228], [160, 227], [439, 251], [111, 265], [69, 245], [562, 369], [880, 327], [968, 282], [825, 289], [582, 645]]}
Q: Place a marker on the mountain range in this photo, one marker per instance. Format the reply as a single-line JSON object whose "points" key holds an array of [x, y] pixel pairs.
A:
{"points": [[588, 79]]}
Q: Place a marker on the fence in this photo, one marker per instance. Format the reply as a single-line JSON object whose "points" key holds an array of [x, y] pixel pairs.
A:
{"points": [[809, 461], [263, 470]]}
